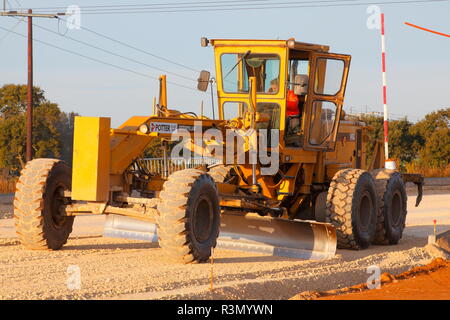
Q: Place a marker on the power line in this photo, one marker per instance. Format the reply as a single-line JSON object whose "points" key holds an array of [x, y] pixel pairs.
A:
{"points": [[352, 110], [115, 54], [266, 7], [226, 7], [99, 61], [131, 46], [213, 9], [134, 48], [156, 4], [209, 4], [12, 29]]}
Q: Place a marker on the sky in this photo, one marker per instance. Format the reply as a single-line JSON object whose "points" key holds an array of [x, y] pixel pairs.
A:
{"points": [[418, 62]]}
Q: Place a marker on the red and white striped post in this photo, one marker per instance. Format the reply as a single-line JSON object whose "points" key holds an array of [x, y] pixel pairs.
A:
{"points": [[389, 164]]}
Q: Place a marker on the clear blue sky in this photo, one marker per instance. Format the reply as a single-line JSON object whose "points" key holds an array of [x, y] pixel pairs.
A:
{"points": [[418, 63]]}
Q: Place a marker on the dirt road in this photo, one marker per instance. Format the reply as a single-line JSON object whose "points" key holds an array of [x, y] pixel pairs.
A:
{"points": [[116, 268]]}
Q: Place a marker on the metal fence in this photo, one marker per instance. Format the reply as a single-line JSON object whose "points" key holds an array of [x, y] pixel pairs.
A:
{"points": [[156, 165]]}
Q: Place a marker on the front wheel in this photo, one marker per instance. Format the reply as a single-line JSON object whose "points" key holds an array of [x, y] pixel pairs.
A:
{"points": [[189, 216], [39, 204]]}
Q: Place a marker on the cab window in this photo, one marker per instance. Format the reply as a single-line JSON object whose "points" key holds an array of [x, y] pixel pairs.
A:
{"points": [[298, 75], [329, 76], [296, 67], [233, 109], [323, 121], [238, 67]]}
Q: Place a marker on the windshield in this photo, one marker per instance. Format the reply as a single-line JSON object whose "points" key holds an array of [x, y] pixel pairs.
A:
{"points": [[238, 67]]}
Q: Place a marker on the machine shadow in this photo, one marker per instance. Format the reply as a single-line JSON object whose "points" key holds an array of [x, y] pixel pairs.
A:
{"points": [[252, 259], [96, 246]]}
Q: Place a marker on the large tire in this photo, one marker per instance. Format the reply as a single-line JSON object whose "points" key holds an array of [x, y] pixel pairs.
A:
{"points": [[189, 216], [352, 208], [38, 202], [221, 173], [392, 200]]}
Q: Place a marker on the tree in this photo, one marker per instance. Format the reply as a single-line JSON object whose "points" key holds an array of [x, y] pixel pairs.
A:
{"points": [[401, 141], [52, 129], [404, 144], [376, 132], [12, 141], [13, 99], [434, 131], [65, 127]]}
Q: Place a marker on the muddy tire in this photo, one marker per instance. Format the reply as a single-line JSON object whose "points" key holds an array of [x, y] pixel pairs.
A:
{"points": [[352, 208], [221, 173], [189, 216], [392, 201], [38, 202]]}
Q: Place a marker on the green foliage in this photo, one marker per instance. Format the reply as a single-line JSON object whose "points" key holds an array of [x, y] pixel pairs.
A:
{"points": [[65, 127], [426, 142], [376, 132], [12, 142], [52, 129], [434, 131], [403, 143], [13, 99]]}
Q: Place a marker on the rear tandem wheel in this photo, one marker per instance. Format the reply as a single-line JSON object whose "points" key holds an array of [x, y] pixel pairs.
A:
{"points": [[393, 206], [352, 208]]}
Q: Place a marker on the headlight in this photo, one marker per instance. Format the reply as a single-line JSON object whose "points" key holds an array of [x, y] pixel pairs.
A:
{"points": [[291, 43], [143, 128]]}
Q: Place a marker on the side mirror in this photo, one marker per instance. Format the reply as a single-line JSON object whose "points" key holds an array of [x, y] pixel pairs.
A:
{"points": [[203, 80], [204, 42], [301, 84]]}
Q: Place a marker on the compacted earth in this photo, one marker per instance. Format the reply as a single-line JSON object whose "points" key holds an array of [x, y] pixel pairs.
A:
{"points": [[429, 282], [90, 266]]}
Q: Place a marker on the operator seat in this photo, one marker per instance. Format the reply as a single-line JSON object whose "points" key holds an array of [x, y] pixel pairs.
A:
{"points": [[294, 109]]}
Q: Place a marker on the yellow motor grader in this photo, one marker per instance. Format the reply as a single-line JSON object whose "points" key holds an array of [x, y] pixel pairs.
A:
{"points": [[291, 178]]}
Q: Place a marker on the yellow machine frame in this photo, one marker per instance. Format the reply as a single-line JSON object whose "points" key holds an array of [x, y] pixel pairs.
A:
{"points": [[99, 169], [315, 198]]}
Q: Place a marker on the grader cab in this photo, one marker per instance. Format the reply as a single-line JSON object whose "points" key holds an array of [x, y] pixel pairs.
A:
{"points": [[291, 175]]}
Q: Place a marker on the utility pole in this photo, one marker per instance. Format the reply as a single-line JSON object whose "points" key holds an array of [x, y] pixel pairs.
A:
{"points": [[29, 117], [29, 152]]}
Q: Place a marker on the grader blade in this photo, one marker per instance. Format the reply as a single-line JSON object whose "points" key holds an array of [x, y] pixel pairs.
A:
{"points": [[277, 237], [117, 226], [250, 233]]}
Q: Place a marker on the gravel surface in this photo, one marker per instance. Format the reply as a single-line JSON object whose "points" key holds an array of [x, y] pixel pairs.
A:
{"points": [[123, 269]]}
